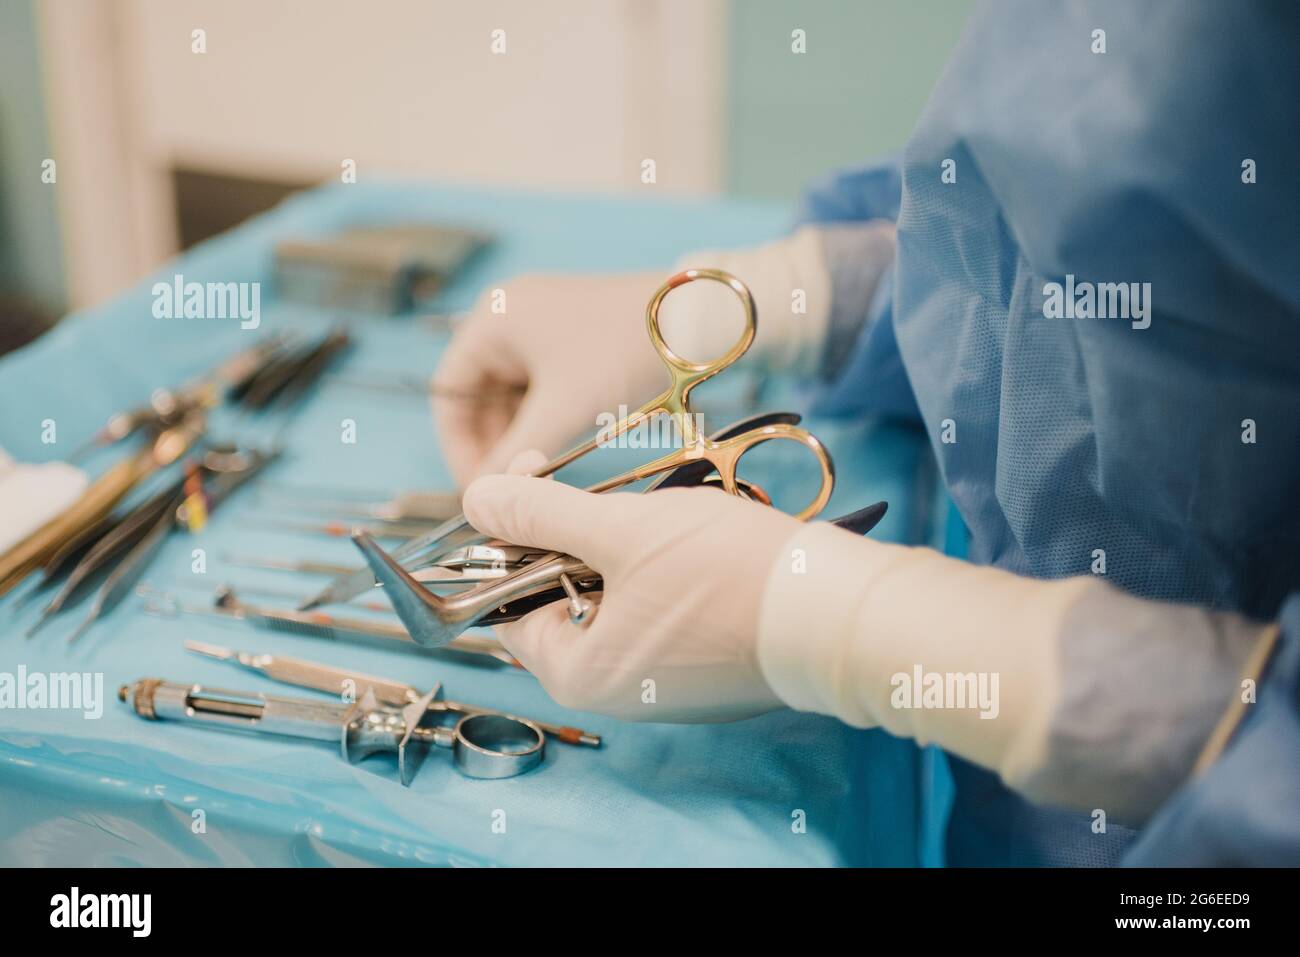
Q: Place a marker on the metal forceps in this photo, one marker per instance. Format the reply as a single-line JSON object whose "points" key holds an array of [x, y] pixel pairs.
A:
{"points": [[472, 649], [684, 375]]}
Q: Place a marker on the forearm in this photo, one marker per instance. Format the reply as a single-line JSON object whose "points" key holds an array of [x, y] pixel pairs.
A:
{"points": [[812, 290], [1076, 693]]}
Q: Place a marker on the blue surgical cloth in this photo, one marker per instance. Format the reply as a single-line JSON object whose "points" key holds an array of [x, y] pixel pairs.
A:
{"points": [[1171, 453]]}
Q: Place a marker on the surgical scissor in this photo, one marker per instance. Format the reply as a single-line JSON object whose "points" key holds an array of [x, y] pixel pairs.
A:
{"points": [[723, 455], [413, 505]]}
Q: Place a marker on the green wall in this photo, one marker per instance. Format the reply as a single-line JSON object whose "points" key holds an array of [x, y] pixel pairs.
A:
{"points": [[855, 93], [31, 258]]}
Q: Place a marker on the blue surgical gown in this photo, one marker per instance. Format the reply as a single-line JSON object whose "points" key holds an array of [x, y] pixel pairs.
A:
{"points": [[1173, 449]]}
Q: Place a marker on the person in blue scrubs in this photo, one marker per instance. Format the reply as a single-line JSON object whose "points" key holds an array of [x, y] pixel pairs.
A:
{"points": [[1082, 278]]}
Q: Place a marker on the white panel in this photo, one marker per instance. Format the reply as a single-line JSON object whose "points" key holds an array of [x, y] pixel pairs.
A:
{"points": [[586, 90], [412, 86]]}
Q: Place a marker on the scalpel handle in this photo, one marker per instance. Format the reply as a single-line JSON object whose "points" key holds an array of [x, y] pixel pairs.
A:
{"points": [[338, 681]]}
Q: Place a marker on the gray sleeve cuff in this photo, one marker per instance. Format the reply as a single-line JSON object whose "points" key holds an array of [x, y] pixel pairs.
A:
{"points": [[1143, 685], [857, 256]]}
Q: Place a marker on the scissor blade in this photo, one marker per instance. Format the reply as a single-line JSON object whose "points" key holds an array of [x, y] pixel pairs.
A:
{"points": [[694, 473], [863, 520]]}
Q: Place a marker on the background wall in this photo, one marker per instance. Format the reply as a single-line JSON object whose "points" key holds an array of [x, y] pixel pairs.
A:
{"points": [[855, 93], [287, 90], [31, 261], [413, 86]]}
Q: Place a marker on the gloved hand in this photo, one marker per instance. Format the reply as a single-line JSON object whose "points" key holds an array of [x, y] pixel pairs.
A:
{"points": [[579, 345], [684, 570]]}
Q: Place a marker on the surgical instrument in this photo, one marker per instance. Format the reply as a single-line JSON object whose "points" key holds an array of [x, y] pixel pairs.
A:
{"points": [[98, 500], [166, 407], [146, 590], [381, 529], [305, 566], [133, 527], [68, 558], [428, 547], [490, 555], [451, 569], [419, 385], [482, 745], [469, 648], [448, 570], [377, 269], [230, 467], [122, 577], [163, 407], [684, 376], [724, 455], [433, 620], [859, 523], [135, 540], [320, 677], [402, 507], [287, 374]]}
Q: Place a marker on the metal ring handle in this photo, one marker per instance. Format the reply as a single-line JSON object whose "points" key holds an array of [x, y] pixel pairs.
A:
{"points": [[482, 746], [698, 371], [727, 454]]}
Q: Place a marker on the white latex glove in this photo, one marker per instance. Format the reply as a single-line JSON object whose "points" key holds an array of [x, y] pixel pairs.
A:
{"points": [[798, 283], [786, 340], [684, 573], [703, 598], [1097, 699], [579, 345]]}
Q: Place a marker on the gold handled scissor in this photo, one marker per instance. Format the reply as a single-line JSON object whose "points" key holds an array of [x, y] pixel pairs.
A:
{"points": [[684, 375]]}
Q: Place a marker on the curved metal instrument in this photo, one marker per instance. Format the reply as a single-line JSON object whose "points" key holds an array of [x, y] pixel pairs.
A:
{"points": [[434, 620]]}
